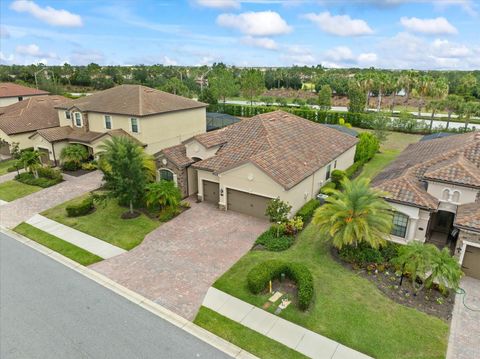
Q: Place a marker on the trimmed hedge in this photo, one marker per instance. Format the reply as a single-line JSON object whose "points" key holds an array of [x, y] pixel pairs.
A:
{"points": [[308, 209], [327, 186], [354, 169], [261, 274], [29, 178], [271, 242], [363, 254], [50, 173], [80, 209]]}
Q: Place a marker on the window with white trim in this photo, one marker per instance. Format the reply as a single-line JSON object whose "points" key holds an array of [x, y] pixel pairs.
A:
{"points": [[134, 125], [67, 115], [166, 175], [108, 122], [446, 194], [78, 119], [456, 196], [400, 224], [329, 171]]}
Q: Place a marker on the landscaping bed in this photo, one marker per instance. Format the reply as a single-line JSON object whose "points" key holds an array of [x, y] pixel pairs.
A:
{"points": [[385, 278], [12, 190], [346, 307]]}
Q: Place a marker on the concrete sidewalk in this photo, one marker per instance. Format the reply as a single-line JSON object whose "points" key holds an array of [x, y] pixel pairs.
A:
{"points": [[93, 245], [293, 336]]}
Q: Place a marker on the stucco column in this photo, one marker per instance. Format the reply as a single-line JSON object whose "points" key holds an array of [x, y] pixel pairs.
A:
{"points": [[412, 228]]}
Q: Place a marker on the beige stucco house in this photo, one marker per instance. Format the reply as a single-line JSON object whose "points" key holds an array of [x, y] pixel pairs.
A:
{"points": [[154, 118], [434, 187], [243, 166], [11, 93]]}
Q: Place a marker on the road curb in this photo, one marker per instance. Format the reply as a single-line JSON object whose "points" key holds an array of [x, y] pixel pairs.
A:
{"points": [[160, 311]]}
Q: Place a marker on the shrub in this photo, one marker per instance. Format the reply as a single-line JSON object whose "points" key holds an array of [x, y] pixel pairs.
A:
{"points": [[338, 176], [261, 274], [81, 208], [354, 169], [363, 254], [367, 146], [327, 187], [277, 210], [274, 243], [50, 173], [12, 169], [307, 210], [293, 226], [167, 213], [29, 178], [89, 166], [70, 166]]}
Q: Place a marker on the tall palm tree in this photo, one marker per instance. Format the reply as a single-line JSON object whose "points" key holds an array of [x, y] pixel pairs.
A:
{"points": [[434, 106], [395, 86], [452, 103], [469, 109], [356, 214], [382, 80], [423, 88], [408, 79], [366, 81]]}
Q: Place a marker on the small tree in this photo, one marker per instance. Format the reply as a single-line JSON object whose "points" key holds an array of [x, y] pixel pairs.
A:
{"points": [[356, 98], [208, 96], [163, 194], [252, 84], [31, 161], [278, 210], [325, 98], [367, 146], [222, 83], [380, 125], [74, 153]]}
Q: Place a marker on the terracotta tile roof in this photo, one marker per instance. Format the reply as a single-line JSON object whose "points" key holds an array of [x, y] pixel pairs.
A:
{"points": [[286, 147], [468, 216], [8, 89], [178, 155], [31, 114], [134, 100], [453, 159], [67, 133]]}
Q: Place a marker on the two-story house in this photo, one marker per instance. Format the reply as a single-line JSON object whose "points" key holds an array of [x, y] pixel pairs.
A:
{"points": [[154, 118], [434, 186]]}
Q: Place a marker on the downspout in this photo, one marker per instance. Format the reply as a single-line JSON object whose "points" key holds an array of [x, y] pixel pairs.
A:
{"points": [[54, 156]]}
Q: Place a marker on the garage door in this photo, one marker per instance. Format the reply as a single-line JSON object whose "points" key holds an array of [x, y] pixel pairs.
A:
{"points": [[210, 192], [471, 262], [247, 203]]}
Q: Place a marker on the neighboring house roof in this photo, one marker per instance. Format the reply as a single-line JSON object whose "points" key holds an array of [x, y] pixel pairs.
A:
{"points": [[435, 135], [67, 133], [178, 155], [134, 100], [9, 89], [31, 114], [343, 129], [454, 159], [219, 120], [468, 216], [286, 147]]}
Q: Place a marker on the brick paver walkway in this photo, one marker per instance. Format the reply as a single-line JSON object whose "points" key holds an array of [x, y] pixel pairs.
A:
{"points": [[8, 176], [464, 342], [177, 263], [20, 210]]}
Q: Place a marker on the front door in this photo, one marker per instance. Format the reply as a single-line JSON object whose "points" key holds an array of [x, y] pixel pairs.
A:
{"points": [[44, 156], [211, 192]]}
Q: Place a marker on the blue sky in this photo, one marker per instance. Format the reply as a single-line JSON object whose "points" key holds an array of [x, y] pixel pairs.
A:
{"points": [[436, 34]]}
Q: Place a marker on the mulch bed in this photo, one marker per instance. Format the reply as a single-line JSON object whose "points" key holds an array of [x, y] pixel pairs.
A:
{"points": [[429, 301]]}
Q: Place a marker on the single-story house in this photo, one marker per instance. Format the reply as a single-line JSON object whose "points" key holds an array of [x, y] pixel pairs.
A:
{"points": [[243, 166], [11, 93], [19, 121], [434, 187]]}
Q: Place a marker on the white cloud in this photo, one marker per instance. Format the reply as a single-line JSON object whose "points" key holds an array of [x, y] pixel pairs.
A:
{"points": [[85, 57], [298, 55], [4, 59], [48, 14], [33, 50], [169, 62], [343, 56], [340, 25], [219, 4], [340, 54], [263, 42], [445, 48], [262, 23], [367, 59], [436, 26], [4, 34]]}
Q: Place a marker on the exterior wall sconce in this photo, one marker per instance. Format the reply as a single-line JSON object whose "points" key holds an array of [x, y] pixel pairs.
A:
{"points": [[221, 192]]}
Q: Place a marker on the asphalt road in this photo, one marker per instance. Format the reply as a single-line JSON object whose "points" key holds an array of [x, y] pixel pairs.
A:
{"points": [[50, 311]]}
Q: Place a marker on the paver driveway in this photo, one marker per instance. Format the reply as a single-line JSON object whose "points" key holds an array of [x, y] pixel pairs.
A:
{"points": [[464, 340], [177, 263]]}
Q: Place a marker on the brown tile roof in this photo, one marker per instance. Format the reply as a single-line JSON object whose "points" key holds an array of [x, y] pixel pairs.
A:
{"points": [[8, 89], [453, 159], [468, 216], [286, 147], [134, 100], [31, 114], [178, 155], [67, 133]]}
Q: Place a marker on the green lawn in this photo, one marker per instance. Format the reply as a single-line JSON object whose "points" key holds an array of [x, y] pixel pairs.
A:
{"points": [[244, 337], [395, 140], [106, 223], [378, 163], [4, 166], [12, 190], [69, 250], [346, 308]]}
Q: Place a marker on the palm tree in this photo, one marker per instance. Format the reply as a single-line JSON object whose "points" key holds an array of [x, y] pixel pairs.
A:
{"points": [[74, 153], [444, 270], [434, 106], [163, 193], [383, 81], [31, 161], [469, 109], [452, 103], [365, 80], [407, 80], [423, 89], [356, 214], [415, 258], [395, 85]]}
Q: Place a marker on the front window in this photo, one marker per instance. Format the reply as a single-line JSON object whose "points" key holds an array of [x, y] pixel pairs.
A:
{"points": [[329, 170], [134, 124], [166, 175], [456, 197], [108, 122], [67, 115], [400, 223], [78, 119]]}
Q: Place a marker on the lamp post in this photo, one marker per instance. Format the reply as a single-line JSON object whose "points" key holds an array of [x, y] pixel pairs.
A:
{"points": [[35, 74], [202, 77]]}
